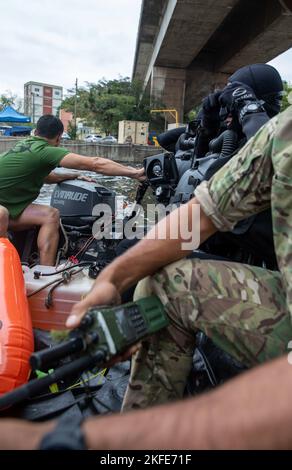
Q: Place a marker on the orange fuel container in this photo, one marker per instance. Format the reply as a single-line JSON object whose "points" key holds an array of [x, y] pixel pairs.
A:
{"points": [[16, 334], [64, 296]]}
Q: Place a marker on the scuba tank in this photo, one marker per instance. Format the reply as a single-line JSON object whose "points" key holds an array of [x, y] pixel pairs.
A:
{"points": [[16, 335]]}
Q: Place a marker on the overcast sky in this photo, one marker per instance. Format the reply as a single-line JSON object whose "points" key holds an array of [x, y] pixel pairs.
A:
{"points": [[284, 64], [55, 41]]}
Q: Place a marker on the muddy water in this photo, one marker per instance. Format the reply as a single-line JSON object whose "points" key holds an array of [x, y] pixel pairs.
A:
{"points": [[122, 186]]}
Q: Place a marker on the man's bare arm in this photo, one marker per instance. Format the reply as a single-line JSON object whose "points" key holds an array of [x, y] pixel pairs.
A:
{"points": [[144, 259], [55, 178], [252, 411], [154, 252], [100, 165]]}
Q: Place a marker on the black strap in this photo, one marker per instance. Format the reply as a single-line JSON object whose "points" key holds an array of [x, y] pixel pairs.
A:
{"points": [[67, 435]]}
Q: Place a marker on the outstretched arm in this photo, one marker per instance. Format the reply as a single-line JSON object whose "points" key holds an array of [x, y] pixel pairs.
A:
{"points": [[252, 411], [101, 165], [55, 178]]}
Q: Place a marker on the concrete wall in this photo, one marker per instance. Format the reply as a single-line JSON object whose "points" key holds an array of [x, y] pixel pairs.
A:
{"points": [[117, 152]]}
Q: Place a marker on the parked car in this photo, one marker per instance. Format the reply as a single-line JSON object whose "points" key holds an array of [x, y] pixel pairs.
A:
{"points": [[66, 136], [109, 139], [92, 138]]}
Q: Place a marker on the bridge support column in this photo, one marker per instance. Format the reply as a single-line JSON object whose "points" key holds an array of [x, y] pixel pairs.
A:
{"points": [[168, 88], [200, 82]]}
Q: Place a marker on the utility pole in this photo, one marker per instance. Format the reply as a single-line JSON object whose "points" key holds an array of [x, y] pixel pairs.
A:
{"points": [[75, 108], [33, 107]]}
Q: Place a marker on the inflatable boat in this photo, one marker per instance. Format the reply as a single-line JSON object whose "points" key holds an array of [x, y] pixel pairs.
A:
{"points": [[16, 334]]}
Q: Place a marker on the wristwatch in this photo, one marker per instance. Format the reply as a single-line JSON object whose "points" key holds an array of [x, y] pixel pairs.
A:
{"points": [[250, 108], [67, 435]]}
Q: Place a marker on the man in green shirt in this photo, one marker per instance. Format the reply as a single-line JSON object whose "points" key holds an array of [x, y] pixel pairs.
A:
{"points": [[26, 167]]}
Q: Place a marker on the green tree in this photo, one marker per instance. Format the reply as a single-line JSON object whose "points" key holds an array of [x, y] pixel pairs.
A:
{"points": [[109, 103], [105, 103], [7, 99], [72, 131], [287, 98], [192, 114]]}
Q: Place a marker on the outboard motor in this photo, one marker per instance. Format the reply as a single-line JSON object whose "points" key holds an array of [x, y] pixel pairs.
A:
{"points": [[75, 201]]}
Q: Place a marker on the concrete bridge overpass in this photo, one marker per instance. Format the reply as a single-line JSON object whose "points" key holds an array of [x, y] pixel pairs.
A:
{"points": [[186, 47]]}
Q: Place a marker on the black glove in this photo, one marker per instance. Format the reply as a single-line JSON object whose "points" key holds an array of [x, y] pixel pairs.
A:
{"points": [[235, 96], [187, 143], [210, 111]]}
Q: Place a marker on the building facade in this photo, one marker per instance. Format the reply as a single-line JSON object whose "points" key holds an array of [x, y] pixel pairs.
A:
{"points": [[66, 117], [41, 98]]}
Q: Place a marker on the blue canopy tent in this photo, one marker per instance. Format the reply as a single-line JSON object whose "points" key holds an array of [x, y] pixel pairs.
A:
{"points": [[10, 115]]}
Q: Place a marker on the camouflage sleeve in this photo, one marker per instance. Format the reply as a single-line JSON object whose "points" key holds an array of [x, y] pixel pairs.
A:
{"points": [[281, 197], [243, 186]]}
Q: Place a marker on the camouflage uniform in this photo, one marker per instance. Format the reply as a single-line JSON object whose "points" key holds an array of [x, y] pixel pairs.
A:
{"points": [[245, 310]]}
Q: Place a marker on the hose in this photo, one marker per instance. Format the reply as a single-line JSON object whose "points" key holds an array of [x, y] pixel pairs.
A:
{"points": [[225, 144], [64, 280], [58, 280], [38, 274], [63, 251], [44, 287], [66, 244]]}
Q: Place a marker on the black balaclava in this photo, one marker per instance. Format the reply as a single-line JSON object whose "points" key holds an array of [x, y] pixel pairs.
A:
{"points": [[265, 81]]}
